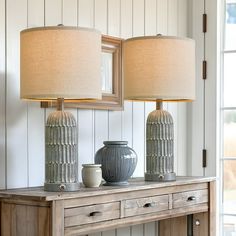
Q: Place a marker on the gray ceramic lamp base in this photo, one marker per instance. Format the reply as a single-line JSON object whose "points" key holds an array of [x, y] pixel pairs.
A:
{"points": [[61, 160], [160, 146]]}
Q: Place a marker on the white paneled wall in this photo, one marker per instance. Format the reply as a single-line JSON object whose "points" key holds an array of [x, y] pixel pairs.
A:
{"points": [[22, 123]]}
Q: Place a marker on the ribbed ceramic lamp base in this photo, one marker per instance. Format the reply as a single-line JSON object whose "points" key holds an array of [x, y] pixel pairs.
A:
{"points": [[160, 147], [61, 162]]}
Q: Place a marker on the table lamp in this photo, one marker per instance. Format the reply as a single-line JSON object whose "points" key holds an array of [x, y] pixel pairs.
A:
{"points": [[60, 63], [159, 68]]}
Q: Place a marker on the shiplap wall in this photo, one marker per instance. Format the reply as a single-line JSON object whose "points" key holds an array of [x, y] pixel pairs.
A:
{"points": [[22, 123]]}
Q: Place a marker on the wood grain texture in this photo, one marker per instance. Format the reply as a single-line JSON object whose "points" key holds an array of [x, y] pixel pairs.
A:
{"points": [[100, 209], [212, 208], [173, 227], [201, 228], [92, 214], [58, 218], [25, 220], [190, 198], [150, 204]]}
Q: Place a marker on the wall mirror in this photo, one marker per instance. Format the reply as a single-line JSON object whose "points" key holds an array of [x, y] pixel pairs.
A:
{"points": [[112, 81]]}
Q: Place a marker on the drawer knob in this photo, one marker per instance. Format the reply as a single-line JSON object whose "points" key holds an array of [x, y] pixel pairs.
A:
{"points": [[197, 222], [148, 205], [191, 198], [95, 213]]}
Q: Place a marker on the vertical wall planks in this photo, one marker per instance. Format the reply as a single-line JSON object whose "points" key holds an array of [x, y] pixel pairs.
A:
{"points": [[150, 17], [127, 124], [86, 13], [124, 231], [138, 136], [162, 17], [115, 125], [101, 128], [126, 19], [114, 18], [196, 112], [53, 12], [172, 17], [95, 234], [137, 230], [150, 229], [86, 141], [100, 15], [35, 114], [2, 95], [109, 233], [138, 18], [35, 13], [69, 13], [182, 138], [16, 116], [115, 117], [182, 18]]}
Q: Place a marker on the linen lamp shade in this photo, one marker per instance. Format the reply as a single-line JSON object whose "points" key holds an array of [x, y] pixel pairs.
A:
{"points": [[60, 62], [159, 68]]}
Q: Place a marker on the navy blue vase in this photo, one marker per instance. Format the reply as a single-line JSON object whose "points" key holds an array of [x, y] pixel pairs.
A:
{"points": [[118, 162]]}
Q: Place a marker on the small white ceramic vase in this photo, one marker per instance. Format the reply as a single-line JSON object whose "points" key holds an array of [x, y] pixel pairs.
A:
{"points": [[91, 175]]}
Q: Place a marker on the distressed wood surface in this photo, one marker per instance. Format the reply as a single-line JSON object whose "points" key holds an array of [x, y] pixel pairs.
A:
{"points": [[25, 220], [190, 198], [92, 214], [141, 206], [89, 211], [135, 184], [212, 208], [173, 227], [200, 224]]}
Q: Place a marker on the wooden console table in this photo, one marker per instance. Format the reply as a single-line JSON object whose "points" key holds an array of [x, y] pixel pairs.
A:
{"points": [[184, 207]]}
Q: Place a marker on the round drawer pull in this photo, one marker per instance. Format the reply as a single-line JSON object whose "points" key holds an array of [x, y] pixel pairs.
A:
{"points": [[148, 205], [197, 222], [95, 213], [191, 198]]}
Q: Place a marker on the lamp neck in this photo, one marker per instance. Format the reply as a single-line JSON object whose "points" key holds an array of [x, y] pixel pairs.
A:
{"points": [[159, 105], [60, 104]]}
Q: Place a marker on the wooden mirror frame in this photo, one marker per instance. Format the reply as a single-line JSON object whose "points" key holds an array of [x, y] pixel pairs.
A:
{"points": [[113, 101]]}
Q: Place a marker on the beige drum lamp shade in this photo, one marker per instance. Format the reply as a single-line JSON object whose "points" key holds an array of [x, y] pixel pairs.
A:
{"points": [[60, 62], [159, 68]]}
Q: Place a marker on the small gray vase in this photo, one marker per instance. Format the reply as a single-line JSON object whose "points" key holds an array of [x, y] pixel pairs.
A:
{"points": [[118, 162]]}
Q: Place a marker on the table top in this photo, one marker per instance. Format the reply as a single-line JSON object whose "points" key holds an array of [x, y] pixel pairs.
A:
{"points": [[38, 193]]}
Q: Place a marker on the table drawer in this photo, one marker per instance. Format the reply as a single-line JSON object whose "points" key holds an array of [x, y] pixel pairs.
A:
{"points": [[91, 214], [190, 198], [145, 205]]}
